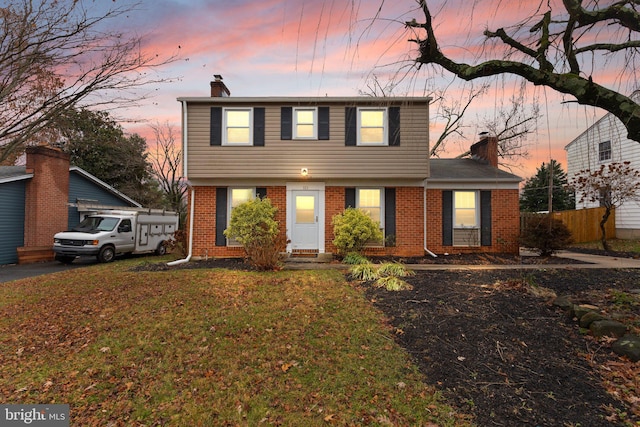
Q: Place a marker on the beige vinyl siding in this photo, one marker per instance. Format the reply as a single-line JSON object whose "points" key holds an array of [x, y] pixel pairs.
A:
{"points": [[326, 159]]}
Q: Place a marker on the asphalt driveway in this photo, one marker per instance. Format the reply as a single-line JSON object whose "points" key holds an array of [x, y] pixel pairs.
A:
{"points": [[17, 271]]}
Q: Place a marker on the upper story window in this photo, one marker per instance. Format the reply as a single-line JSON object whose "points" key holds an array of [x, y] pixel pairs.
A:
{"points": [[604, 151], [237, 126], [305, 123], [372, 126]]}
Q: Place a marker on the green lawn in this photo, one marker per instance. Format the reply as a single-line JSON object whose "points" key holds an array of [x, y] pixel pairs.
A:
{"points": [[208, 347]]}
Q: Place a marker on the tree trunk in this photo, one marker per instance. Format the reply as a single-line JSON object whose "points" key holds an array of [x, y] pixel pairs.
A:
{"points": [[603, 221]]}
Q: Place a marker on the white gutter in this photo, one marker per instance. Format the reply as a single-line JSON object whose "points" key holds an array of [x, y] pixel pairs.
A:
{"points": [[184, 260], [193, 190], [424, 202]]}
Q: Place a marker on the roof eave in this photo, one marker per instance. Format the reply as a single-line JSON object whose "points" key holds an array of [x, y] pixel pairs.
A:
{"points": [[103, 184], [305, 99], [15, 178]]}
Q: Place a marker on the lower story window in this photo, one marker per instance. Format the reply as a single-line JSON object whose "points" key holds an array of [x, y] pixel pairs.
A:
{"points": [[370, 200], [238, 196], [466, 230]]}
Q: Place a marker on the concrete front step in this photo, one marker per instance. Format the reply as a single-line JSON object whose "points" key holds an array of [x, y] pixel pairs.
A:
{"points": [[309, 257]]}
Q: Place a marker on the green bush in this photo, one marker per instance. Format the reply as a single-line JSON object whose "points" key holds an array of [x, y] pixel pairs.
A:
{"points": [[254, 226], [353, 229], [545, 235]]}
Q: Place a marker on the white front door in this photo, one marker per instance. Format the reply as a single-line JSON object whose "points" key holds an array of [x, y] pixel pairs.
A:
{"points": [[305, 220]]}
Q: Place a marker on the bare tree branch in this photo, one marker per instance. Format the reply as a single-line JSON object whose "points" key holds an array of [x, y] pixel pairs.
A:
{"points": [[165, 156], [552, 72], [55, 56]]}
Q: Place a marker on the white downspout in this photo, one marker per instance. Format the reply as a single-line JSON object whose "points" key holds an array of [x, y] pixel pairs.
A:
{"points": [[188, 258], [193, 190], [424, 200]]}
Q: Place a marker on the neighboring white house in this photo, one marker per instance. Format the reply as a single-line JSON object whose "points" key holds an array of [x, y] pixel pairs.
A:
{"points": [[606, 142]]}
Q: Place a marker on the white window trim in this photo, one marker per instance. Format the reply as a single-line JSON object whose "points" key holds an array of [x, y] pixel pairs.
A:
{"points": [[477, 211], [294, 123], [600, 159], [233, 243], [385, 125], [224, 127]]}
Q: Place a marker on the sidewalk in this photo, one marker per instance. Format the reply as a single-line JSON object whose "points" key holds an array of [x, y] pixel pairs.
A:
{"points": [[591, 261]]}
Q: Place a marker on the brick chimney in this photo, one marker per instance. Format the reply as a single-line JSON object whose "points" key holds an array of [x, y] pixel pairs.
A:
{"points": [[218, 88], [46, 198], [486, 150]]}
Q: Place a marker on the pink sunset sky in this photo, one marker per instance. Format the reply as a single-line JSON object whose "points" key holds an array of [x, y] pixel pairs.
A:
{"points": [[334, 48]]}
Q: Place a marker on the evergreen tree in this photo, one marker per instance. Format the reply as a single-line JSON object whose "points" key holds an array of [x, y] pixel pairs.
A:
{"points": [[99, 145], [535, 194]]}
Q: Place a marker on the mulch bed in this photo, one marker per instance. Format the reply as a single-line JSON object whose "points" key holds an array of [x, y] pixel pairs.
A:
{"points": [[504, 355], [479, 259], [499, 352]]}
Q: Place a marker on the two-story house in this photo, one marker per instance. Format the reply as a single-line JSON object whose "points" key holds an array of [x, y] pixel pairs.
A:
{"points": [[315, 156], [602, 143]]}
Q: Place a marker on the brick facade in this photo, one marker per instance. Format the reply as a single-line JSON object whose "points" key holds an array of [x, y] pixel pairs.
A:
{"points": [[409, 221], [505, 228]]}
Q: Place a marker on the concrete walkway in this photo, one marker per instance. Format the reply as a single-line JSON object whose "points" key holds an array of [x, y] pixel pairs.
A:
{"points": [[590, 261]]}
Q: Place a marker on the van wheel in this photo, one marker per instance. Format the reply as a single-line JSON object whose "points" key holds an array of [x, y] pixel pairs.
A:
{"points": [[107, 254], [161, 249]]}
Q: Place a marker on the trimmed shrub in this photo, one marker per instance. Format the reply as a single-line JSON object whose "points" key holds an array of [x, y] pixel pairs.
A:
{"points": [[353, 229], [254, 226], [545, 235]]}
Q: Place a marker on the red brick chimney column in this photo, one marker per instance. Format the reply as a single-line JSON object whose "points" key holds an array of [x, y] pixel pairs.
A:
{"points": [[218, 88], [46, 196], [486, 150]]}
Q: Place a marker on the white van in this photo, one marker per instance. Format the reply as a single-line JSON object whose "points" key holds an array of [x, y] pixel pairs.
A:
{"points": [[108, 233]]}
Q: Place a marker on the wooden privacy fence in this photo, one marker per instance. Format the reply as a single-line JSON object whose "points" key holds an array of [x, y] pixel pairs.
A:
{"points": [[584, 224]]}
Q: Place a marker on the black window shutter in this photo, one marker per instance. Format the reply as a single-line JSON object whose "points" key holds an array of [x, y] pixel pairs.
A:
{"points": [[447, 218], [389, 212], [350, 126], [221, 216], [485, 218], [215, 137], [349, 198], [323, 122], [258, 127], [261, 192], [286, 123], [394, 126]]}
